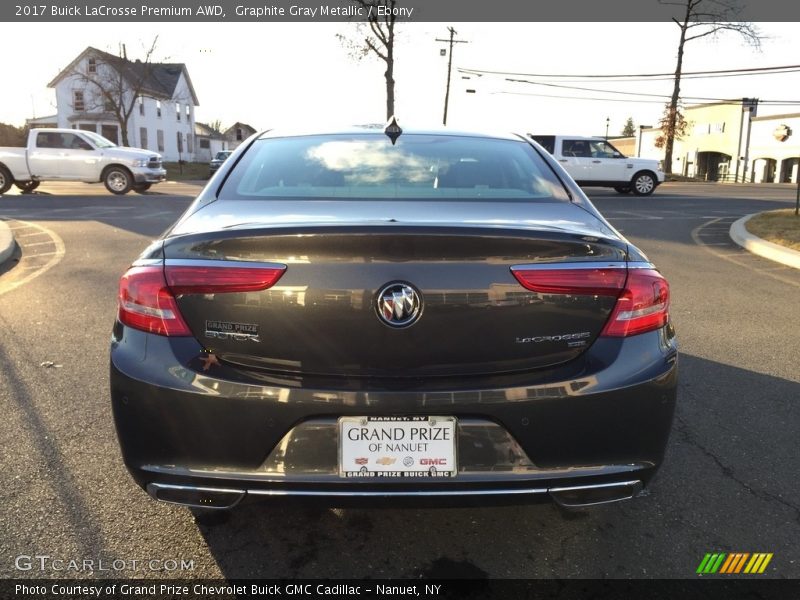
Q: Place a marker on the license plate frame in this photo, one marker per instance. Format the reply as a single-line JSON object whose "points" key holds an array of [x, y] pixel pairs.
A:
{"points": [[427, 448]]}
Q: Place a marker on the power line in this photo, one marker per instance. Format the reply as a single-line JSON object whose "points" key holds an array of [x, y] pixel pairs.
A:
{"points": [[776, 70], [683, 77], [580, 97], [585, 89], [732, 101]]}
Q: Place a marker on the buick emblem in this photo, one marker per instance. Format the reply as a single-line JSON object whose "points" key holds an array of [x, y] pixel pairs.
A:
{"points": [[399, 305]]}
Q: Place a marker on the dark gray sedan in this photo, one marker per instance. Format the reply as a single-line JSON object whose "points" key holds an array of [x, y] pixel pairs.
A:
{"points": [[376, 314]]}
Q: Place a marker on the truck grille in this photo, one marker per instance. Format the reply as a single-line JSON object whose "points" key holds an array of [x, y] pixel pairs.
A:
{"points": [[154, 163]]}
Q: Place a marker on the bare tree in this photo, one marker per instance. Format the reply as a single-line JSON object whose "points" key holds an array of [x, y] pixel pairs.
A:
{"points": [[376, 36], [701, 18], [113, 84]]}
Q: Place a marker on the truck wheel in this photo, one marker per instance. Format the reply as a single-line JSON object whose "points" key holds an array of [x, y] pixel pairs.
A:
{"points": [[5, 180], [622, 189], [118, 180], [27, 186], [141, 188], [643, 183]]}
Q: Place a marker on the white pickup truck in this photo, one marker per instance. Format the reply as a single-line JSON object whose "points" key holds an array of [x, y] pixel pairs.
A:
{"points": [[592, 161], [76, 155]]}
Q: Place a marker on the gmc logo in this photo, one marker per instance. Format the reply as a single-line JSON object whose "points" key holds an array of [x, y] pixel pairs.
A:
{"points": [[433, 461]]}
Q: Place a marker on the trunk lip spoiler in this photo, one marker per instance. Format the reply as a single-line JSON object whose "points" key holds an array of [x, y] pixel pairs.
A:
{"points": [[583, 265], [205, 262]]}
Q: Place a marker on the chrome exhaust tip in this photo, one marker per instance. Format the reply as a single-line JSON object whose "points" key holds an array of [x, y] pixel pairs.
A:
{"points": [[592, 495], [196, 497]]}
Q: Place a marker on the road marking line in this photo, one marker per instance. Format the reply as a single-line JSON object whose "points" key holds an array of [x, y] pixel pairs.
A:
{"points": [[38, 244], [57, 255], [747, 263]]}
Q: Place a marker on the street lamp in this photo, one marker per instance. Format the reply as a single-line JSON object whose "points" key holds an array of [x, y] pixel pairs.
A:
{"points": [[608, 120]]}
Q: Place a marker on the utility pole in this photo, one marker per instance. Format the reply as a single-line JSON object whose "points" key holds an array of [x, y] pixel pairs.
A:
{"points": [[449, 68]]}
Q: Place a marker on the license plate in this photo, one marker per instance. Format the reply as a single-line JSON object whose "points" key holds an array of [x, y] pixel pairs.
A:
{"points": [[397, 446]]}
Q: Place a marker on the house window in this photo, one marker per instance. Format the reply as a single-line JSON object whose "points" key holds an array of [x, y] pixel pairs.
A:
{"points": [[77, 101], [143, 137], [180, 143], [110, 132], [188, 114], [204, 143], [108, 105], [160, 139], [158, 109], [178, 110], [92, 65], [189, 147], [141, 105], [239, 134]]}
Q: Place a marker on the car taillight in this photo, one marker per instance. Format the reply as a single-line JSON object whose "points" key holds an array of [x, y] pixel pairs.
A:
{"points": [[579, 281], [146, 303], [642, 294], [147, 295], [642, 306]]}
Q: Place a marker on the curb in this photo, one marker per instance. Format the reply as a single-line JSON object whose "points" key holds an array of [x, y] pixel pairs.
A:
{"points": [[763, 248], [7, 242]]}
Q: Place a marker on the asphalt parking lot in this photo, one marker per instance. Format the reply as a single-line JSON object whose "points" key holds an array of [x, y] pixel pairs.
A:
{"points": [[729, 482]]}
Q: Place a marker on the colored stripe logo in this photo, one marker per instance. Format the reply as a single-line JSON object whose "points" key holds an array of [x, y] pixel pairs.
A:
{"points": [[734, 563]]}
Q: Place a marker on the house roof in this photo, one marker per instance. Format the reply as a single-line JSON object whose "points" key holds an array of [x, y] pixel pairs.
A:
{"points": [[42, 120], [777, 117], [203, 129], [157, 79], [239, 125]]}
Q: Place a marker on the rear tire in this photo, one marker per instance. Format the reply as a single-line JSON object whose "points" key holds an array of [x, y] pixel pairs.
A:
{"points": [[622, 189], [27, 186], [141, 188], [5, 180], [644, 183], [118, 180]]}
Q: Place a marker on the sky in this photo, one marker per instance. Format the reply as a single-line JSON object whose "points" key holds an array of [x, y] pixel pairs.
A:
{"points": [[269, 75]]}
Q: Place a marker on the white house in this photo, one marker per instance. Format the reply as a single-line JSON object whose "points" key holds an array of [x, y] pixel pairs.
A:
{"points": [[209, 142], [237, 133], [158, 97]]}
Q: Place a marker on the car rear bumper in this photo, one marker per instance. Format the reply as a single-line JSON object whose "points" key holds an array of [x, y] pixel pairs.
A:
{"points": [[588, 432]]}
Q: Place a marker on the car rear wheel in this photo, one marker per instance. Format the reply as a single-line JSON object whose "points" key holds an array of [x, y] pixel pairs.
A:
{"points": [[643, 183], [140, 188], [5, 180], [622, 189], [118, 180], [27, 186]]}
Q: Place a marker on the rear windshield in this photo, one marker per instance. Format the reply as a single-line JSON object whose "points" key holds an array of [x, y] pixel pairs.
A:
{"points": [[369, 166]]}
